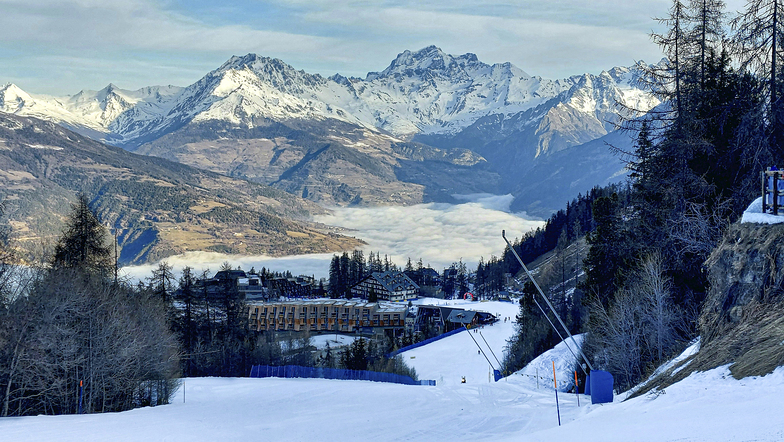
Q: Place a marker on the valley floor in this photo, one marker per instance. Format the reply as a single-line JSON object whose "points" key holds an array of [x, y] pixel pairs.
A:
{"points": [[709, 406]]}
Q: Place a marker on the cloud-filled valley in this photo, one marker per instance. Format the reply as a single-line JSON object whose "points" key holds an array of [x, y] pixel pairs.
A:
{"points": [[438, 233]]}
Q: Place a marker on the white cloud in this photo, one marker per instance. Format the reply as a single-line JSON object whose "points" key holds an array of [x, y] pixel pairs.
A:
{"points": [[138, 25], [544, 41], [440, 234], [311, 265]]}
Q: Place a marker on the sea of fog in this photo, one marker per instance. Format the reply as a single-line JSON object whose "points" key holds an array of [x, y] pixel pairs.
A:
{"points": [[438, 233]]}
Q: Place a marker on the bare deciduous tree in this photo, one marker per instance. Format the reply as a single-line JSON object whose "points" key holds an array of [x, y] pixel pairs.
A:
{"points": [[76, 327]]}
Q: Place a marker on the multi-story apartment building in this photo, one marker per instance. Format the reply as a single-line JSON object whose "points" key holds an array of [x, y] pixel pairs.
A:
{"points": [[388, 286], [335, 315]]}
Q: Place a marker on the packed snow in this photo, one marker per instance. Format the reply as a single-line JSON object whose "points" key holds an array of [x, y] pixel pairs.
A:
{"points": [[753, 214], [707, 406]]}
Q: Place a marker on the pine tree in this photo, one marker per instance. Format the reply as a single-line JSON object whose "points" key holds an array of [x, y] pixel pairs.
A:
{"points": [[162, 281], [83, 242], [344, 277], [667, 82], [187, 322], [758, 37], [334, 278], [707, 32]]}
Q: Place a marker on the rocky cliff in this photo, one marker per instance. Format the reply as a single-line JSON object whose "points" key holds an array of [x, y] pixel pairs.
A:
{"points": [[742, 322], [742, 319]]}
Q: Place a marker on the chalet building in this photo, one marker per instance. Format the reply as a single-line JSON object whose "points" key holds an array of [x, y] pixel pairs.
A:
{"points": [[224, 282], [292, 287], [430, 276], [252, 288], [327, 315], [442, 319], [388, 286], [248, 286]]}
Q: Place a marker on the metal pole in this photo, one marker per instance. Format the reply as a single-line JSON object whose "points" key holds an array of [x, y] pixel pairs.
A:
{"points": [[556, 330], [503, 234], [81, 384], [557, 407]]}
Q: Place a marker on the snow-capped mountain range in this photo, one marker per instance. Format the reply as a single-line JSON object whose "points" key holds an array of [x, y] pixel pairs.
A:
{"points": [[422, 92], [428, 126]]}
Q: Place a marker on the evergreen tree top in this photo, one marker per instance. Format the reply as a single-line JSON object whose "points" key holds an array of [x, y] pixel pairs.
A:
{"points": [[83, 242]]}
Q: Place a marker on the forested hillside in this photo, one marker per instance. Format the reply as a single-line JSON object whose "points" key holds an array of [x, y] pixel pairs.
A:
{"points": [[157, 208], [695, 167]]}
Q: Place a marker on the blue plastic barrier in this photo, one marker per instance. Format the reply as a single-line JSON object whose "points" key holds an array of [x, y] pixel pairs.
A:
{"points": [[601, 387], [426, 341], [297, 371], [497, 375], [587, 385]]}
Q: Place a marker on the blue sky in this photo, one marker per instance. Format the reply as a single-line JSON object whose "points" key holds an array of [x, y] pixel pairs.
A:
{"points": [[59, 47]]}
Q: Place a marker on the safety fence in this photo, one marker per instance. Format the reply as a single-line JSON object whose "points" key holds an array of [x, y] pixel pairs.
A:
{"points": [[297, 371], [426, 341]]}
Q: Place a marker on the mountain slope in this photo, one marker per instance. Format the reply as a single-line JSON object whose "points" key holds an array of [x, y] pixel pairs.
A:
{"points": [[558, 178], [330, 162], [156, 207]]}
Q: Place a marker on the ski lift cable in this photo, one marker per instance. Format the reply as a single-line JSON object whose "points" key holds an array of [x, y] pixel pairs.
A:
{"points": [[539, 289], [480, 349], [490, 348]]}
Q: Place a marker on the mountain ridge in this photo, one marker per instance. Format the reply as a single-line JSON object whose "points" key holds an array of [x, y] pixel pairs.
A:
{"points": [[507, 119], [425, 91]]}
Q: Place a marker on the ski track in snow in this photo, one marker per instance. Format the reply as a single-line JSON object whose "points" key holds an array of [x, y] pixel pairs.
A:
{"points": [[707, 406]]}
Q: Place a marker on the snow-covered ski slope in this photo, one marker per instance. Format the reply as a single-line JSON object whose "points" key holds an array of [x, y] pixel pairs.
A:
{"points": [[709, 406]]}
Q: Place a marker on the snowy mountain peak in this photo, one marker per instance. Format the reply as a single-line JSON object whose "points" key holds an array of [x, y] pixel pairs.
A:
{"points": [[12, 98], [421, 92], [273, 71], [430, 60]]}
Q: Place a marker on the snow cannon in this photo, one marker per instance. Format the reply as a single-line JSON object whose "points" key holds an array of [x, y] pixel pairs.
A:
{"points": [[601, 385]]}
